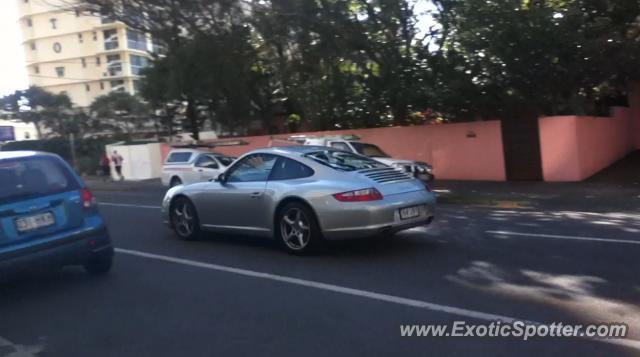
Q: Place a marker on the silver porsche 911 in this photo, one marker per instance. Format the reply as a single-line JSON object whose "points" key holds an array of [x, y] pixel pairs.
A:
{"points": [[301, 195]]}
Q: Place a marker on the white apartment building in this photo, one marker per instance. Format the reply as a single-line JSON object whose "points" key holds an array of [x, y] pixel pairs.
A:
{"points": [[81, 55]]}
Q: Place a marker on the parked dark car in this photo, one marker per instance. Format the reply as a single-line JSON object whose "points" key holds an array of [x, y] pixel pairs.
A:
{"points": [[48, 216]]}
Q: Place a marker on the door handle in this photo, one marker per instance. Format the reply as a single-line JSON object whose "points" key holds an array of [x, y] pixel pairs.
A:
{"points": [[256, 194], [200, 170]]}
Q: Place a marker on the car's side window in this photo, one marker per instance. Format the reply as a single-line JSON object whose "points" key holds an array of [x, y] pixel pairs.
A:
{"points": [[206, 161], [340, 146], [179, 157], [287, 169], [252, 168]]}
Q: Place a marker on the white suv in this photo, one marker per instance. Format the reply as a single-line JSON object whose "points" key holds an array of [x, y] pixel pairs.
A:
{"points": [[186, 166], [420, 170]]}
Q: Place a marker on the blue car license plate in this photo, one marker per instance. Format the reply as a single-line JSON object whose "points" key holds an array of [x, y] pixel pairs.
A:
{"points": [[26, 224]]}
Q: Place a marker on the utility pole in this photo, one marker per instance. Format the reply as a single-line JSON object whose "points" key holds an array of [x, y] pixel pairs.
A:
{"points": [[72, 145]]}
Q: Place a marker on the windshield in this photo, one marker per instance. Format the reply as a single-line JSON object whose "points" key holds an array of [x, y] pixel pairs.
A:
{"points": [[344, 161], [369, 150], [33, 177]]}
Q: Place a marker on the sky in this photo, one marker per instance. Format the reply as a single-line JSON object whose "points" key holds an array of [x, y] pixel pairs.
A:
{"points": [[13, 74]]}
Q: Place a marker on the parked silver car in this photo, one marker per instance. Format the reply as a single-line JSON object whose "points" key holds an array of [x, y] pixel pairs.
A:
{"points": [[301, 195]]}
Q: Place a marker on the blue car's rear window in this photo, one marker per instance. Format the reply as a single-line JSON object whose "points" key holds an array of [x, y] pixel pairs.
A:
{"points": [[31, 177]]}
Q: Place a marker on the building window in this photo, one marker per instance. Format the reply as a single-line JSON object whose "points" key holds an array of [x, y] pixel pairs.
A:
{"points": [[138, 63], [98, 62], [54, 23], [95, 35], [101, 85], [80, 38], [136, 40], [33, 46], [29, 22], [117, 86], [60, 71], [114, 65], [87, 87], [27, 135], [84, 63], [57, 47], [110, 39], [36, 69]]}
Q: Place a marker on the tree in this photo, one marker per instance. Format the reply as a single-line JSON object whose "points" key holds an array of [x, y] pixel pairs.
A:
{"points": [[123, 110], [43, 109], [551, 57]]}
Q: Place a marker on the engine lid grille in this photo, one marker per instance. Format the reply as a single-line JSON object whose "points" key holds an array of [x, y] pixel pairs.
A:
{"points": [[384, 175]]}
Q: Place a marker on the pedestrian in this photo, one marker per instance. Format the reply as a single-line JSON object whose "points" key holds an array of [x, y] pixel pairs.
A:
{"points": [[105, 165], [117, 163]]}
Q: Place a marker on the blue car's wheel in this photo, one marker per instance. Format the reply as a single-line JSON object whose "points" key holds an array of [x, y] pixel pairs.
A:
{"points": [[99, 263]]}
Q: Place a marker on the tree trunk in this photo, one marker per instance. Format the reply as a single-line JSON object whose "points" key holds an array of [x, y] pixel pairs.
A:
{"points": [[192, 116], [38, 130]]}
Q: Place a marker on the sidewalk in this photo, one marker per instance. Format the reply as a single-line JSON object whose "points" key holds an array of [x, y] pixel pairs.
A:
{"points": [[98, 184], [576, 196]]}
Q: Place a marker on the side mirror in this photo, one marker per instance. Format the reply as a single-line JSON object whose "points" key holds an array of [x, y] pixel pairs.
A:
{"points": [[222, 178]]}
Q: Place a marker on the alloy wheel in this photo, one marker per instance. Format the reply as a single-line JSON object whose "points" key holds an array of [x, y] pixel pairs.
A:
{"points": [[183, 219], [295, 229]]}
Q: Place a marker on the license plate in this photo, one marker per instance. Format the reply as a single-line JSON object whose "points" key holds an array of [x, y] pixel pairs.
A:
{"points": [[410, 212], [37, 221]]}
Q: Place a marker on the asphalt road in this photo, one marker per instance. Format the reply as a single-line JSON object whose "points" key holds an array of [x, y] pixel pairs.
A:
{"points": [[241, 296]]}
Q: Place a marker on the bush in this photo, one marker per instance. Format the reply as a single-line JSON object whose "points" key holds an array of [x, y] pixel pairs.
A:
{"points": [[88, 151]]}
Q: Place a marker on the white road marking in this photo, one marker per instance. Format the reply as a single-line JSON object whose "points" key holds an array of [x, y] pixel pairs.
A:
{"points": [[20, 350], [127, 205], [556, 236], [356, 292]]}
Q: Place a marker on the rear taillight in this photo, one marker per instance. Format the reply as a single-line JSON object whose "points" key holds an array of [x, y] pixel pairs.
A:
{"points": [[88, 200], [367, 194]]}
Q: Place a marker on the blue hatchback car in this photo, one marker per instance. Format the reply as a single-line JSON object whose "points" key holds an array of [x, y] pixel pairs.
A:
{"points": [[48, 216]]}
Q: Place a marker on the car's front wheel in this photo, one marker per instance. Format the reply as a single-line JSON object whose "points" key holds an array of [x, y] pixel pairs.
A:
{"points": [[184, 219], [298, 230]]}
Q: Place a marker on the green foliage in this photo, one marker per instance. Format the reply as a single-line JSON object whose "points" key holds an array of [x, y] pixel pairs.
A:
{"points": [[559, 57], [367, 63], [44, 109], [120, 110]]}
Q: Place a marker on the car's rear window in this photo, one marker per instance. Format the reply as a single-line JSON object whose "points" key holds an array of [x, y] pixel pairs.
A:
{"points": [[344, 161], [31, 177], [176, 157]]}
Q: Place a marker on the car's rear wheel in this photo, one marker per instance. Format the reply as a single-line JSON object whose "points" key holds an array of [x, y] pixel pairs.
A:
{"points": [[298, 230], [176, 181], [184, 219], [99, 263]]}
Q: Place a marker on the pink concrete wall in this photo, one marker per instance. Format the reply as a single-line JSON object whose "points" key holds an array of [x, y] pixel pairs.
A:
{"points": [[574, 148], [559, 148], [462, 151]]}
